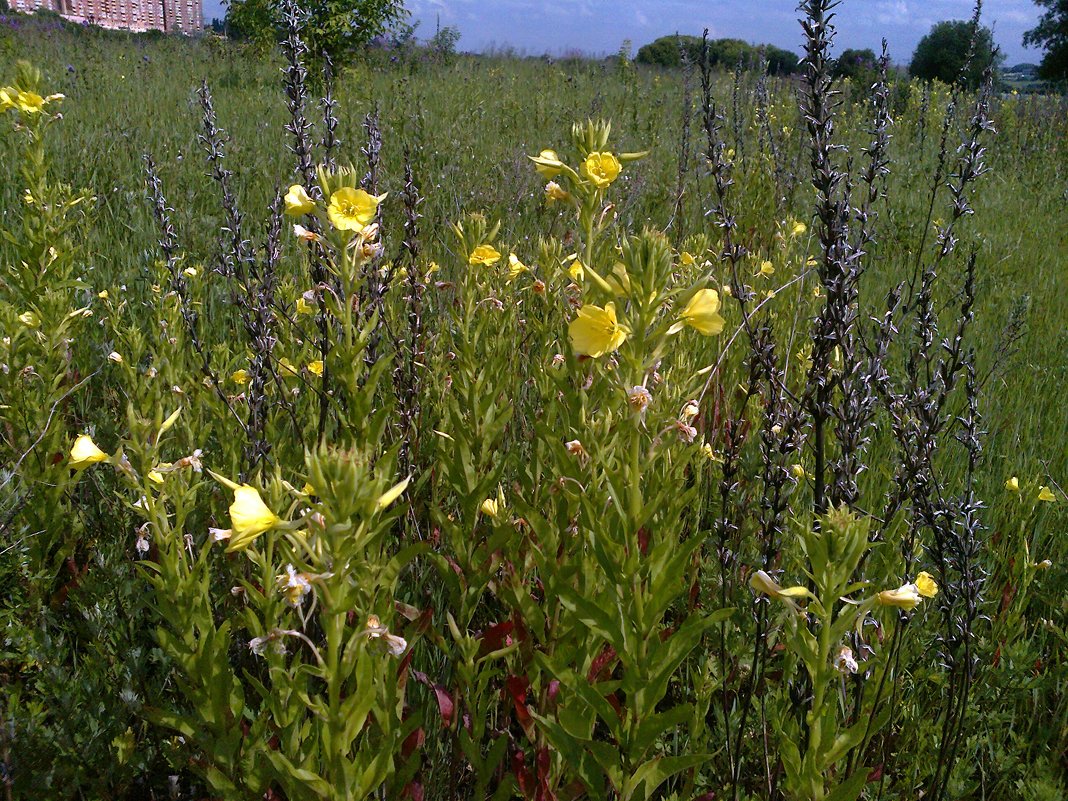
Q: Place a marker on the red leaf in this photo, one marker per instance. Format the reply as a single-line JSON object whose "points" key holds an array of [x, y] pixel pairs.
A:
{"points": [[643, 540], [493, 638], [413, 742], [517, 687], [445, 705], [601, 668]]}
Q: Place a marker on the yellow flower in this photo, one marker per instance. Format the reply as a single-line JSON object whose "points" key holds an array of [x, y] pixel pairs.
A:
{"points": [[84, 452], [701, 314], [316, 367], [797, 471], [30, 102], [155, 476], [249, 517], [798, 229], [352, 209], [686, 259], [601, 169], [490, 507], [515, 267], [555, 192], [303, 307], [763, 583], [287, 366], [906, 597], [1013, 484], [486, 255], [30, 319], [7, 99], [577, 271], [595, 331], [1046, 494], [547, 163], [390, 495], [767, 268], [926, 585], [298, 201], [239, 377]]}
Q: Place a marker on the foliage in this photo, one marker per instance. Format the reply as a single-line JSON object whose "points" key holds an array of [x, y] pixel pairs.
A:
{"points": [[728, 53], [337, 30], [857, 65], [1051, 34], [954, 50], [593, 575]]}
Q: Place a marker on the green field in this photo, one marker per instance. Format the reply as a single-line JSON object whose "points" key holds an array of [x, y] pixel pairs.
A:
{"points": [[93, 680]]}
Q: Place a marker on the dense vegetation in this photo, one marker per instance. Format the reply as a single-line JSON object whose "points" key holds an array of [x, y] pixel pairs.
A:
{"points": [[555, 585]]}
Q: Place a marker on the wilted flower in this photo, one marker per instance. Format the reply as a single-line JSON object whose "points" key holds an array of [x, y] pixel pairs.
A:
{"points": [[298, 202], [84, 452], [687, 433], [690, 410], [907, 596], [576, 448], [375, 630], [219, 534], [30, 319], [1013, 484], [554, 192], [701, 313], [259, 645], [115, 357], [639, 398], [485, 255], [844, 662], [1046, 494], [767, 268], [300, 232], [294, 586], [595, 331], [601, 169], [490, 507]]}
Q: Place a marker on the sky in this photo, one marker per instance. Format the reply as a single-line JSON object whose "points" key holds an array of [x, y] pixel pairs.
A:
{"points": [[598, 27]]}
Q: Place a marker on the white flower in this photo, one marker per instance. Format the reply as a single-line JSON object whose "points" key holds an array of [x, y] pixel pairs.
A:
{"points": [[219, 534]]}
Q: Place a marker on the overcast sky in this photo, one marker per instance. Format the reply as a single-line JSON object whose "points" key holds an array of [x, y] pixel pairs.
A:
{"points": [[601, 26]]}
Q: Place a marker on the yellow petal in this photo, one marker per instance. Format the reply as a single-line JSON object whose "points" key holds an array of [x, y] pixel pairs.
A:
{"points": [[394, 492], [85, 452]]}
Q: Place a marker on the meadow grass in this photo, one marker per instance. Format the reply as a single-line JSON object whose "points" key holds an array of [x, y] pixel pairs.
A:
{"points": [[469, 126]]}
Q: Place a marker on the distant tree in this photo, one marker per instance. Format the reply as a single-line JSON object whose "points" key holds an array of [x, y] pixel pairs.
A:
{"points": [[443, 43], [1051, 34], [781, 62], [666, 52], [338, 29], [942, 53], [857, 65]]}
